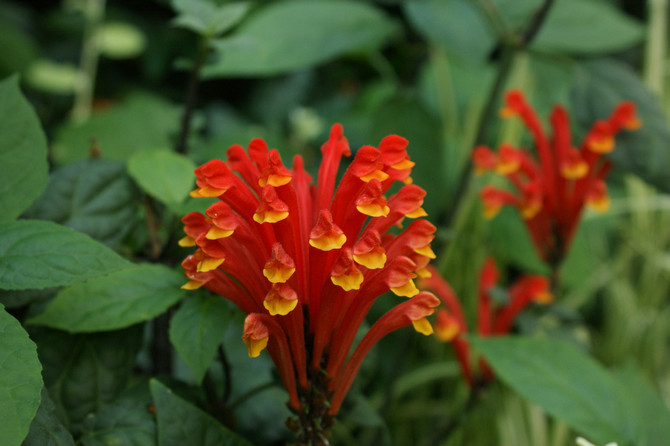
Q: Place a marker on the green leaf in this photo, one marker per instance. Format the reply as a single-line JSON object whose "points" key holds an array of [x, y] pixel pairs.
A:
{"points": [[125, 421], [456, 25], [120, 299], [652, 411], [18, 48], [566, 383], [20, 380], [142, 121], [197, 329], [167, 176], [46, 428], [587, 27], [290, 35], [92, 196], [85, 372], [41, 254], [600, 85], [23, 152], [181, 423], [208, 19]]}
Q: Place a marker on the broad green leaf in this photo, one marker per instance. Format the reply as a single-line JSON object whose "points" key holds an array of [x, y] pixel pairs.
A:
{"points": [[23, 152], [565, 382], [85, 372], [291, 35], [587, 27], [20, 380], [456, 25], [127, 420], [652, 411], [409, 118], [600, 85], [92, 196], [46, 428], [142, 121], [206, 18], [197, 329], [42, 254], [181, 423], [167, 176], [19, 298], [123, 298]]}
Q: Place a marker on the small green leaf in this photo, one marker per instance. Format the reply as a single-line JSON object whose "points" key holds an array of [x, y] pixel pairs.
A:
{"points": [[125, 421], [142, 121], [167, 176], [120, 40], [181, 423], [85, 372], [23, 152], [54, 77], [456, 25], [566, 383], [204, 17], [93, 196], [587, 27], [20, 380], [290, 35], [41, 254], [46, 429], [197, 329], [120, 299], [600, 85]]}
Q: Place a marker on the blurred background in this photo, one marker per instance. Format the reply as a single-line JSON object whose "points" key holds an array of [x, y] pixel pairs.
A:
{"points": [[112, 79]]}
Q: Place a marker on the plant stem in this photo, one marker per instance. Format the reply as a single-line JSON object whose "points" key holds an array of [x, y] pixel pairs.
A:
{"points": [[443, 432], [94, 11], [511, 46], [191, 96], [227, 376], [655, 51]]}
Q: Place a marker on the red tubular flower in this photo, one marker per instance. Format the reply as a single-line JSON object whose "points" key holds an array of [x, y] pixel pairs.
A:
{"points": [[551, 188], [306, 262], [492, 319]]}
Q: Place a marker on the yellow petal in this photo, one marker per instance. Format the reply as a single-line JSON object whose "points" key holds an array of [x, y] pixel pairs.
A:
{"points": [[423, 326]]}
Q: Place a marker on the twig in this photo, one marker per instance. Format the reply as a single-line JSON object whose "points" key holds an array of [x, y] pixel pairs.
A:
{"points": [[444, 431], [227, 376], [94, 11], [191, 96]]}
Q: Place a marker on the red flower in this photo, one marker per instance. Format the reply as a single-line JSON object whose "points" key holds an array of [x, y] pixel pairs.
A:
{"points": [[306, 262], [492, 319], [551, 188]]}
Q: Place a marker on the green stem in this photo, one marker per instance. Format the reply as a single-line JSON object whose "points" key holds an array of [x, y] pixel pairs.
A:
{"points": [[94, 11], [191, 95], [511, 46], [654, 69]]}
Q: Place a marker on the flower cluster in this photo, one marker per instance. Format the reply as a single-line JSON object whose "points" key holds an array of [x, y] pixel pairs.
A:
{"points": [[553, 187], [493, 319], [306, 262]]}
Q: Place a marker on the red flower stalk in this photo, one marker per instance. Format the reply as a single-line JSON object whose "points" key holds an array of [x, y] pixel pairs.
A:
{"points": [[552, 187], [492, 319], [306, 262]]}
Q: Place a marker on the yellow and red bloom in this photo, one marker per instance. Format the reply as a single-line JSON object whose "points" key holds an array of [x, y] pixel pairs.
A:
{"points": [[552, 188], [492, 319], [306, 261]]}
